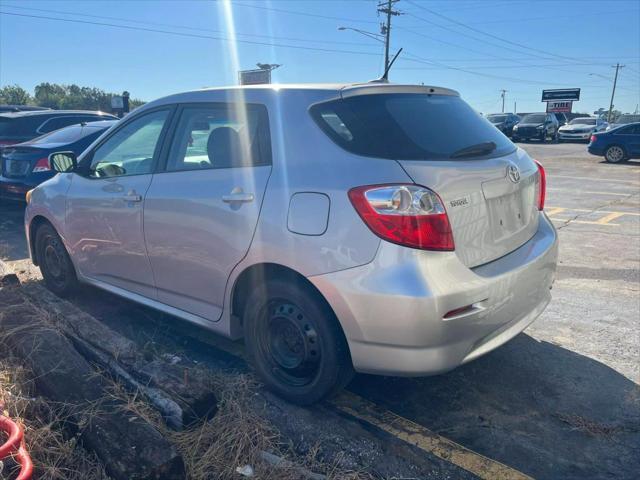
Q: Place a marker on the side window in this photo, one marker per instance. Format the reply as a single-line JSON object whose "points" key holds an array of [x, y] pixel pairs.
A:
{"points": [[625, 130], [131, 149], [57, 123], [220, 136]]}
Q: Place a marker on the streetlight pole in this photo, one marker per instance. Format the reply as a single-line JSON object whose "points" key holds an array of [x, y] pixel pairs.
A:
{"points": [[375, 36], [617, 66], [502, 94]]}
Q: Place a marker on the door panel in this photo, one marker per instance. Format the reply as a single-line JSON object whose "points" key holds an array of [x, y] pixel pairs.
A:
{"points": [[104, 225], [201, 213], [105, 205], [194, 238]]}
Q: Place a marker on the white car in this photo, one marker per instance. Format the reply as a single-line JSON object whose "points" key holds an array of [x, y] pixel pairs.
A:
{"points": [[581, 128]]}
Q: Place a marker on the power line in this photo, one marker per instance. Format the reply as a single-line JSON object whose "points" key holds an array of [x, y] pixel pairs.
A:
{"points": [[192, 35], [185, 27], [473, 29], [304, 14]]}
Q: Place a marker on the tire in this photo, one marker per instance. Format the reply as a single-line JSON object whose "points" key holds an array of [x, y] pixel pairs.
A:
{"points": [[543, 137], [614, 154], [55, 264], [295, 343]]}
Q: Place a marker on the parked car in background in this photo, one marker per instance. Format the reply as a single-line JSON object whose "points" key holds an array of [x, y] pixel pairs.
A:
{"points": [[25, 165], [618, 144], [322, 223], [504, 122], [561, 117], [581, 128], [21, 108], [17, 127], [539, 126], [624, 120]]}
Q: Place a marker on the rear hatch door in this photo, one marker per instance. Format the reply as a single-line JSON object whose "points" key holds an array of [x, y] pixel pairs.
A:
{"points": [[491, 202]]}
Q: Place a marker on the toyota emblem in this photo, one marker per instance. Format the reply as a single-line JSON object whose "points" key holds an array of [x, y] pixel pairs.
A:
{"points": [[513, 173]]}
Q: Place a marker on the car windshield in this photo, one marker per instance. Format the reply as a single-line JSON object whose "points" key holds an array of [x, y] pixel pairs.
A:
{"points": [[409, 127], [534, 118], [583, 121], [497, 118]]}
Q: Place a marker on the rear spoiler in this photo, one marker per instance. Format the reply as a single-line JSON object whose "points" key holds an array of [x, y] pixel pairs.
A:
{"points": [[382, 88]]}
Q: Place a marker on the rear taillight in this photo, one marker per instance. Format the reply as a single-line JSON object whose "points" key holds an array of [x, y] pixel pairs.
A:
{"points": [[409, 215], [42, 165], [593, 139], [541, 186]]}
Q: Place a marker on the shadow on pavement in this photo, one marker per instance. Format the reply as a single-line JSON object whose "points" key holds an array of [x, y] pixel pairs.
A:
{"points": [[535, 406]]}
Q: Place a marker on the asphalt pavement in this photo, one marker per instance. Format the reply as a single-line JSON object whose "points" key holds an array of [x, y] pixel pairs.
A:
{"points": [[559, 401]]}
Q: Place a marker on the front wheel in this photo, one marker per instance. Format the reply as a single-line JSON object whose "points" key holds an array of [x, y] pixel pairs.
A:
{"points": [[55, 264], [614, 154], [294, 342]]}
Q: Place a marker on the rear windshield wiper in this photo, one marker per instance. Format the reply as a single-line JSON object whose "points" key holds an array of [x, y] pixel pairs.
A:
{"points": [[477, 150]]}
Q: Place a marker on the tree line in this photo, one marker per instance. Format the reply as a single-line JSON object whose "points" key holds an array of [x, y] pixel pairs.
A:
{"points": [[61, 97]]}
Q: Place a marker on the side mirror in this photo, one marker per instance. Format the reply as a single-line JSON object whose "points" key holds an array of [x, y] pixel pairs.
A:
{"points": [[63, 162]]}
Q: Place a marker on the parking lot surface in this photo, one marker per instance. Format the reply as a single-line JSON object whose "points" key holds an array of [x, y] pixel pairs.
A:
{"points": [[559, 401]]}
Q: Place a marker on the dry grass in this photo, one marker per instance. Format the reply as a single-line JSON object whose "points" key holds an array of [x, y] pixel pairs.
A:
{"points": [[235, 437], [55, 456]]}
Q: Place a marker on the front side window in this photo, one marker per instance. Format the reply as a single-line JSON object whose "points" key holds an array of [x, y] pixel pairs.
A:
{"points": [[131, 149], [220, 136]]}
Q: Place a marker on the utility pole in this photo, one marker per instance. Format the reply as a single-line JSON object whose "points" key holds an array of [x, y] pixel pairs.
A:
{"points": [[386, 7], [502, 94], [515, 110], [617, 66]]}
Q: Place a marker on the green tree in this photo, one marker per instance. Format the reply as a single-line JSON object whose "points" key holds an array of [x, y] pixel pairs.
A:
{"points": [[14, 95], [75, 97]]}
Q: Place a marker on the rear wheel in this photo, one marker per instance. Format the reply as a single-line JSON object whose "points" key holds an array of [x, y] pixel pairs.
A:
{"points": [[614, 154], [55, 264], [294, 342]]}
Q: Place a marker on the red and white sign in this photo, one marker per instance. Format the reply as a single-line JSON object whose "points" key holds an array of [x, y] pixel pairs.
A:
{"points": [[559, 107]]}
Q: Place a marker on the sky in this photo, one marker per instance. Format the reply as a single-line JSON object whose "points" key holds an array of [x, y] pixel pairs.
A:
{"points": [[153, 48]]}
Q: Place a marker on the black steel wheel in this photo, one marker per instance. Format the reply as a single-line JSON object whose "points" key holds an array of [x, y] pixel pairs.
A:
{"points": [[53, 259], [294, 342]]}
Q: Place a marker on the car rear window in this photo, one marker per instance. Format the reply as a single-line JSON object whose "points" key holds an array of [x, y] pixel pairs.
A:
{"points": [[407, 126], [67, 135], [18, 126]]}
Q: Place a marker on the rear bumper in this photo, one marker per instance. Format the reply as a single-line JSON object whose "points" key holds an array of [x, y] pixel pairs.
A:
{"points": [[595, 150], [13, 189], [392, 310]]}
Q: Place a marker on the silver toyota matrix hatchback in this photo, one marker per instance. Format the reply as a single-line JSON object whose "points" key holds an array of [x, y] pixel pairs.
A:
{"points": [[378, 228]]}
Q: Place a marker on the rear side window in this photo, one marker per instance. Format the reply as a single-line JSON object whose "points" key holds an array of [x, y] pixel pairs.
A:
{"points": [[57, 123], [407, 126], [220, 136]]}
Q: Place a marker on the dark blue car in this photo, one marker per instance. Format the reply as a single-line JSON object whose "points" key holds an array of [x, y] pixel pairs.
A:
{"points": [[618, 144], [26, 165]]}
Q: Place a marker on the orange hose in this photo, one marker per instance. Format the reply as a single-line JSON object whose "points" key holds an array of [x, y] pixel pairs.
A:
{"points": [[15, 445]]}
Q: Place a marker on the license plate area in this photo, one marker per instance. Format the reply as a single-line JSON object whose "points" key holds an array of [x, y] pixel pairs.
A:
{"points": [[509, 206]]}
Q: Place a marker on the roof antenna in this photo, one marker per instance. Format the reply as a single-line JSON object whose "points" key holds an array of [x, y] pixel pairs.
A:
{"points": [[385, 76]]}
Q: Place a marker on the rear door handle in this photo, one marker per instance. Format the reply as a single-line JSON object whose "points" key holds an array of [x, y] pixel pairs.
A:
{"points": [[238, 197]]}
